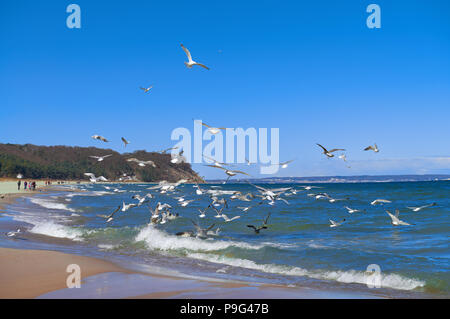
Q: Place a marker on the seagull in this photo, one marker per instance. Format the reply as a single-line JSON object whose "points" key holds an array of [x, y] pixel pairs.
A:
{"points": [[110, 217], [373, 148], [202, 232], [167, 149], [177, 158], [191, 62], [380, 201], [343, 157], [216, 163], [328, 153], [100, 138], [248, 162], [13, 233], [416, 209], [309, 187], [126, 207], [225, 217], [100, 158], [285, 164], [94, 179], [259, 228], [395, 221], [160, 206], [213, 130], [229, 172], [202, 212], [198, 191], [146, 89], [335, 224], [186, 202], [351, 211], [141, 163], [125, 142]]}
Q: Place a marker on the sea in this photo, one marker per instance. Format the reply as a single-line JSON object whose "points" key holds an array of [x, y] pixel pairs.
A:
{"points": [[298, 249]]}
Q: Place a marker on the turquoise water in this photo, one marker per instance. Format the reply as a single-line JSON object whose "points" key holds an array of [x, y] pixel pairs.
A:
{"points": [[298, 248]]}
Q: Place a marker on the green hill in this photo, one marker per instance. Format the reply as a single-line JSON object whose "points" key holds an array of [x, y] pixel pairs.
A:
{"points": [[70, 163]]}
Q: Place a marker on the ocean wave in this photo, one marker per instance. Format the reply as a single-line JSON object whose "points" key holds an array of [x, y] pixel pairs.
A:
{"points": [[46, 203], [393, 281], [56, 230], [157, 239]]}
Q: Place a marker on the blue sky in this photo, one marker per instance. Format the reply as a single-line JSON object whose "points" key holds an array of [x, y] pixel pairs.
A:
{"points": [[311, 68]]}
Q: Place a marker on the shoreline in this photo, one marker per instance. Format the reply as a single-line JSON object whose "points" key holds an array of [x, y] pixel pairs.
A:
{"points": [[47, 277]]}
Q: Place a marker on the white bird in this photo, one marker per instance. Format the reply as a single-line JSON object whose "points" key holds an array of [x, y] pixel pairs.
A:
{"points": [[328, 152], [351, 211], [395, 220], [13, 233], [416, 209], [186, 202], [160, 206], [126, 207], [202, 213], [125, 141], [198, 191], [380, 201], [94, 179], [225, 217], [146, 89], [229, 172], [141, 163], [100, 138], [215, 163], [373, 148], [285, 164], [177, 158], [335, 224], [110, 217], [191, 62], [213, 130], [100, 158]]}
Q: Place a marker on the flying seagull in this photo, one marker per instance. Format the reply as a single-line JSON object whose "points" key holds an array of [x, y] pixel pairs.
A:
{"points": [[285, 164], [259, 228], [213, 130], [126, 207], [394, 219], [328, 152], [141, 163], [125, 142], [351, 211], [167, 149], [94, 179], [373, 148], [110, 217], [416, 209], [380, 201], [100, 158], [229, 172], [146, 89], [202, 232], [191, 62], [335, 224], [100, 138], [225, 217]]}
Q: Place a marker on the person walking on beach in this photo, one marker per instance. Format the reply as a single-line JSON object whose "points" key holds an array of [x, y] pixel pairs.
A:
{"points": [[34, 185], [25, 185], [18, 184]]}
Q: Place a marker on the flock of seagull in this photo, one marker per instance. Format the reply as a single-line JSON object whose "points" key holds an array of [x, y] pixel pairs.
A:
{"points": [[220, 200], [162, 214]]}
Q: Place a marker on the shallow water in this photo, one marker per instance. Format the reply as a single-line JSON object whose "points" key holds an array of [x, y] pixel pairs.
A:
{"points": [[298, 248]]}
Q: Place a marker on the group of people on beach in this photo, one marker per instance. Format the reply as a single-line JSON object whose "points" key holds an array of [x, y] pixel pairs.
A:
{"points": [[26, 185]]}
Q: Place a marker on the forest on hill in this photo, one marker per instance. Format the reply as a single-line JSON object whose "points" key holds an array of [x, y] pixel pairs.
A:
{"points": [[70, 163]]}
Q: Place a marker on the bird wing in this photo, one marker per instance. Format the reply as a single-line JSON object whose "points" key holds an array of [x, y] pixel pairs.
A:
{"points": [[241, 172], [336, 149], [251, 226], [267, 218], [368, 148], [210, 227], [216, 167], [324, 149], [203, 66], [187, 52], [92, 156]]}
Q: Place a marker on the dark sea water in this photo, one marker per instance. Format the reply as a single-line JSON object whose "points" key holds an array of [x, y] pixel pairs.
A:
{"points": [[298, 248]]}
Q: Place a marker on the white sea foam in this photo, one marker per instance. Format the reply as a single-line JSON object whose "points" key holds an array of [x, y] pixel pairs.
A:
{"points": [[157, 239], [56, 230], [106, 246], [46, 203], [352, 276]]}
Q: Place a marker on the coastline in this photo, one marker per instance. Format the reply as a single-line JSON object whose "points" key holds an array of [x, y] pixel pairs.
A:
{"points": [[42, 274]]}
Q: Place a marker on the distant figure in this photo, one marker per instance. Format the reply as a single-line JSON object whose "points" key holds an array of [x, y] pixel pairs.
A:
{"points": [[18, 184], [33, 185], [25, 185]]}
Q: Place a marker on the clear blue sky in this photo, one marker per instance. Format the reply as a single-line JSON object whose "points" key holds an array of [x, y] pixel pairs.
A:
{"points": [[311, 68]]}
